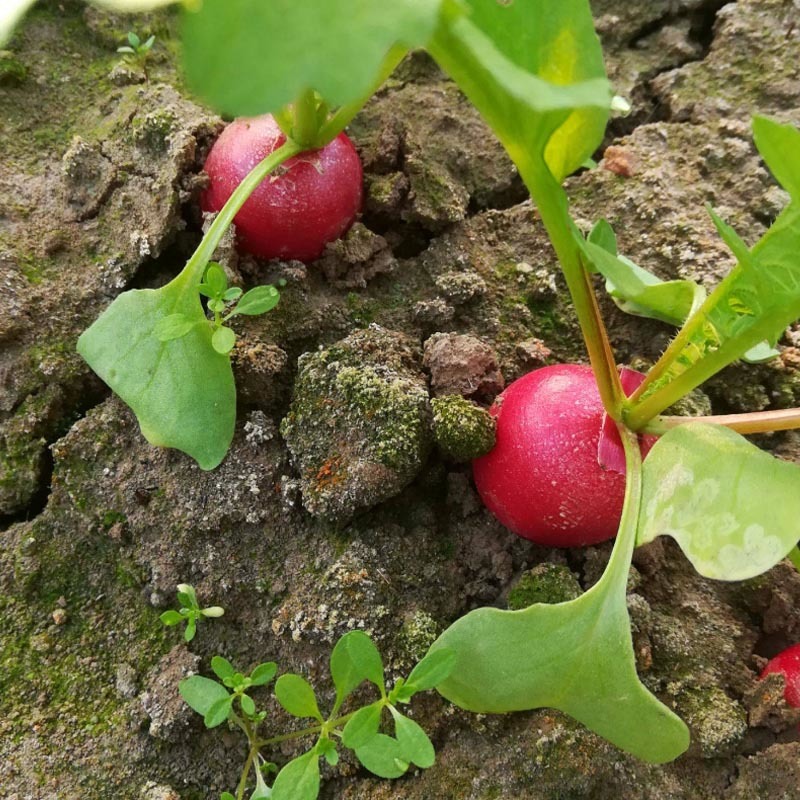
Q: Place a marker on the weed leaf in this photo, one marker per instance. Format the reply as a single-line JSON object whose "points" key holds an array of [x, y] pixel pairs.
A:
{"points": [[432, 670], [355, 659], [416, 745], [362, 726], [383, 756], [299, 779], [296, 696], [258, 301], [201, 693]]}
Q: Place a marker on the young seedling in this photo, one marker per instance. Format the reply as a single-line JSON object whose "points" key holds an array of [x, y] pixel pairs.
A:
{"points": [[137, 51], [189, 612], [354, 661]]}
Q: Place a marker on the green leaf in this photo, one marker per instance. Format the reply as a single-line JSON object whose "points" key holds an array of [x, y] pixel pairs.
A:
{"points": [[779, 146], [383, 756], [296, 696], [148, 44], [201, 693], [326, 748], [182, 391], [171, 618], [261, 790], [221, 667], [535, 71], [258, 301], [223, 340], [575, 656], [432, 670], [355, 659], [191, 628], [215, 279], [227, 796], [133, 40], [637, 291], [248, 705], [233, 293], [126, 49], [263, 673], [416, 745], [362, 726], [731, 507], [187, 596], [213, 612], [218, 713], [336, 48], [299, 779]]}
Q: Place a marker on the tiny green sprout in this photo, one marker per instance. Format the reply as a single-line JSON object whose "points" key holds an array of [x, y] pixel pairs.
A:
{"points": [[136, 46], [189, 612]]}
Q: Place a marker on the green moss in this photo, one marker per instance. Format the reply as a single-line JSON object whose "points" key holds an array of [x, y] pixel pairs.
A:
{"points": [[545, 583], [463, 430], [12, 71], [418, 633]]}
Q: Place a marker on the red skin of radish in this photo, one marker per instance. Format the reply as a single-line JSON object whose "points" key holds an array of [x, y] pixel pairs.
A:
{"points": [[788, 664], [309, 201], [543, 479]]}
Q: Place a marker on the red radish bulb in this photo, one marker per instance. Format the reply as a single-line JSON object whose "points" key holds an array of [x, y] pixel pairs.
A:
{"points": [[543, 479], [309, 201], [788, 664]]}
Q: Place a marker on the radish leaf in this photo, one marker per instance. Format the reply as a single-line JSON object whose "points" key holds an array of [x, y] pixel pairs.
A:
{"points": [[335, 47], [575, 656], [731, 507], [180, 389]]}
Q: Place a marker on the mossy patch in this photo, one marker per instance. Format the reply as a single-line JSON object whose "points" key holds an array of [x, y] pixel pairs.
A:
{"points": [[463, 430]]}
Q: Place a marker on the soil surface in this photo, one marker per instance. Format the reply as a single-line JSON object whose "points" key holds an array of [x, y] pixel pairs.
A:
{"points": [[314, 525]]}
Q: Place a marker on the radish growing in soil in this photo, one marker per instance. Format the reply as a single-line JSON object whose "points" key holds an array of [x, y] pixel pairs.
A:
{"points": [[552, 476], [292, 214], [787, 663]]}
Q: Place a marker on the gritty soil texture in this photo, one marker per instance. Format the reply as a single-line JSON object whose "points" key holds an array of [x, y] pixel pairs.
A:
{"points": [[446, 288]]}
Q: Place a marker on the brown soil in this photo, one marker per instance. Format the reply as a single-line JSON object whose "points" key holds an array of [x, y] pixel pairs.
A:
{"points": [[98, 186]]}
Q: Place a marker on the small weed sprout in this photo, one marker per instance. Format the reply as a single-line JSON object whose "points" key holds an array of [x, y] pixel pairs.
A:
{"points": [[137, 51], [189, 612]]}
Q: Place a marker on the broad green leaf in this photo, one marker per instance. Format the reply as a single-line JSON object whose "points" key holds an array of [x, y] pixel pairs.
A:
{"points": [[535, 71], [226, 796], [416, 745], [182, 391], [296, 696], [222, 668], [223, 340], [432, 670], [263, 673], [383, 756], [247, 57], [201, 693], [575, 656], [362, 726], [172, 618], [732, 508], [637, 291], [191, 629], [218, 713], [258, 301], [299, 779], [355, 659], [779, 146]]}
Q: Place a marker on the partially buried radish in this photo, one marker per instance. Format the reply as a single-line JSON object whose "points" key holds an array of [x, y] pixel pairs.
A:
{"points": [[309, 201], [544, 478], [787, 664]]}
